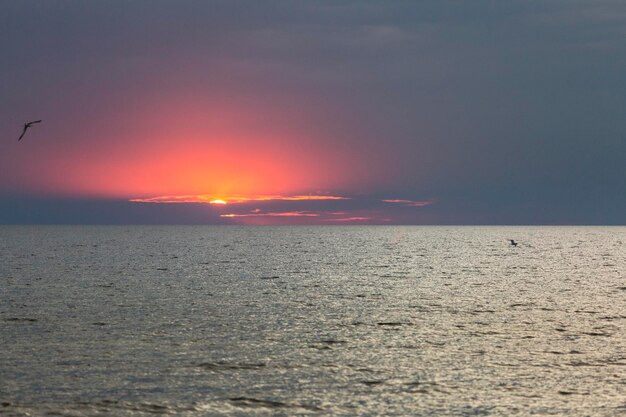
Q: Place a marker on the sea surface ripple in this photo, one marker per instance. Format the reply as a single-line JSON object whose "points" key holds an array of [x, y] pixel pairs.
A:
{"points": [[372, 320]]}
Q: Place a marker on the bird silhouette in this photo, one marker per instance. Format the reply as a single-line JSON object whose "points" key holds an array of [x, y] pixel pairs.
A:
{"points": [[513, 243], [26, 126]]}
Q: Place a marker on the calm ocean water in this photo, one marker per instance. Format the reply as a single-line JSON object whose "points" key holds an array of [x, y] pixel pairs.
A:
{"points": [[421, 321]]}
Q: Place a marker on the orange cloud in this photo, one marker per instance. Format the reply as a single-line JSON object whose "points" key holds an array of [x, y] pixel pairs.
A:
{"points": [[398, 201], [411, 203], [273, 214], [351, 219], [234, 199], [296, 208]]}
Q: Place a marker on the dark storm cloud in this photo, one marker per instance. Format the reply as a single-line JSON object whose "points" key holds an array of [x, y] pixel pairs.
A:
{"points": [[505, 111]]}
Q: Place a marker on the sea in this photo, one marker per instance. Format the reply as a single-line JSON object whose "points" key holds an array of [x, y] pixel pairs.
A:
{"points": [[298, 320]]}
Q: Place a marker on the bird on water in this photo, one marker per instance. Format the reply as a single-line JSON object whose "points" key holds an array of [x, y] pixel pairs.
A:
{"points": [[513, 243], [26, 126]]}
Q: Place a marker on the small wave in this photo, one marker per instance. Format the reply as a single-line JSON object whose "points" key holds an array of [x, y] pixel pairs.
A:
{"points": [[218, 366], [327, 343], [249, 402], [332, 341], [601, 334], [586, 364], [26, 319], [109, 407], [563, 392], [372, 382], [571, 352], [514, 305], [482, 311]]}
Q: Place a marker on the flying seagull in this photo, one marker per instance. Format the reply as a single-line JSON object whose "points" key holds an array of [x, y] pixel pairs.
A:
{"points": [[513, 243], [26, 126]]}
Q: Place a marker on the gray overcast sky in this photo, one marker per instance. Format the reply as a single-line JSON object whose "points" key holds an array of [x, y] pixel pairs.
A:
{"points": [[496, 111]]}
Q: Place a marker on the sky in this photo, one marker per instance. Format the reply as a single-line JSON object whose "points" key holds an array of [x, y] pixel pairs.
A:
{"points": [[313, 112]]}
